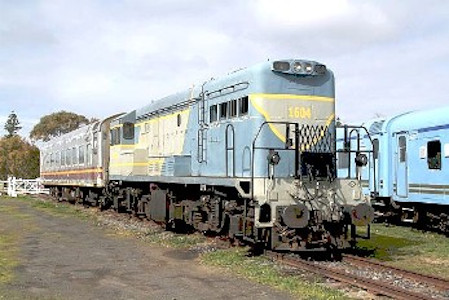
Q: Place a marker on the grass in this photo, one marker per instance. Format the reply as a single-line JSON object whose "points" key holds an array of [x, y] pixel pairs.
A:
{"points": [[59, 209], [12, 225], [410, 249], [399, 246], [261, 270], [174, 240], [8, 256]]}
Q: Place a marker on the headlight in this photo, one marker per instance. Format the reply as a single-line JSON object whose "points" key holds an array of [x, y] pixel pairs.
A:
{"points": [[273, 157], [281, 66], [297, 67], [308, 67]]}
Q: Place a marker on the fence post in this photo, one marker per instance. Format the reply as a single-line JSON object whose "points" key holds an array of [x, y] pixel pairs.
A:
{"points": [[12, 182]]}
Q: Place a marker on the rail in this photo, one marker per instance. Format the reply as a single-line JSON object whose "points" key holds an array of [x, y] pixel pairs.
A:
{"points": [[371, 285], [17, 186]]}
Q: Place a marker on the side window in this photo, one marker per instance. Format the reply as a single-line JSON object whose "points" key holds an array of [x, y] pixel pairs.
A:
{"points": [[128, 131], [243, 106], [233, 108], [402, 149], [81, 155], [89, 154], [223, 110], [68, 157], [58, 155], [74, 156], [111, 137], [376, 148], [62, 158], [117, 137], [213, 113], [434, 155]]}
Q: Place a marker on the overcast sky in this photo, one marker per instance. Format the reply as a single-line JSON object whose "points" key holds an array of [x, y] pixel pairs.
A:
{"points": [[99, 57]]}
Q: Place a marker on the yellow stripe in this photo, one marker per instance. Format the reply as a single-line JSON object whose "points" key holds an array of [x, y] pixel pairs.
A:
{"points": [[264, 113], [88, 171], [129, 164], [294, 97], [267, 117], [140, 164], [123, 146]]}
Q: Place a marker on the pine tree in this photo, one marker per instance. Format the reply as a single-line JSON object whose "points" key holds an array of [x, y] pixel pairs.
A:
{"points": [[12, 125]]}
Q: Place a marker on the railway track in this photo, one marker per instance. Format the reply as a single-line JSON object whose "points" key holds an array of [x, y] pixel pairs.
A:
{"points": [[437, 282], [373, 286]]}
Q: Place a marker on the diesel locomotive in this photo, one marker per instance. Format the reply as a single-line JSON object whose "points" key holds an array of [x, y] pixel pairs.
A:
{"points": [[250, 155]]}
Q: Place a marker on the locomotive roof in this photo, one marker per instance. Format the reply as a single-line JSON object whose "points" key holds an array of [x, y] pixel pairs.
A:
{"points": [[193, 94]]}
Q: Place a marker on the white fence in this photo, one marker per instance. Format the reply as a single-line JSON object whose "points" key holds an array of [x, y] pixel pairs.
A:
{"points": [[14, 187]]}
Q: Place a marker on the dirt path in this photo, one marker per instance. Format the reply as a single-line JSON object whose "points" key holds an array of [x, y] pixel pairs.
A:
{"points": [[65, 258]]}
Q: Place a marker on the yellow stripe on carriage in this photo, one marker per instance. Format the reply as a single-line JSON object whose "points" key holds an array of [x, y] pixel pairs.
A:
{"points": [[81, 171]]}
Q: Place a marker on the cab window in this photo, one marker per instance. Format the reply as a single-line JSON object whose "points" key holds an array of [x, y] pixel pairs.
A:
{"points": [[128, 131]]}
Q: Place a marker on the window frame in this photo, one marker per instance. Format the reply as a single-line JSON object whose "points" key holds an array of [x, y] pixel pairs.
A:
{"points": [[434, 162], [243, 106], [224, 111], [213, 113], [128, 131]]}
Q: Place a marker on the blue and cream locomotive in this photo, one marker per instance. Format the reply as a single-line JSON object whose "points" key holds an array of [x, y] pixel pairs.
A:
{"points": [[250, 155]]}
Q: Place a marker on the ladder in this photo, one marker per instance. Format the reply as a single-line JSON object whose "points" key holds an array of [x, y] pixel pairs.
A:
{"points": [[203, 127]]}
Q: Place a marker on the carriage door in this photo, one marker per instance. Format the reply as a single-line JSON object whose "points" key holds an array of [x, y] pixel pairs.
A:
{"points": [[401, 176]]}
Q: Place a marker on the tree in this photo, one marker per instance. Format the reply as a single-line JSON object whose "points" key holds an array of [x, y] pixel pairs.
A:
{"points": [[57, 124], [12, 125], [18, 158]]}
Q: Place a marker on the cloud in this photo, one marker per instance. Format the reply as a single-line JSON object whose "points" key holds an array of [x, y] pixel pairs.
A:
{"points": [[100, 57]]}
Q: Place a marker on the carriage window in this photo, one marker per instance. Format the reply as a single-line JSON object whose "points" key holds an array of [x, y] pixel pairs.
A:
{"points": [[402, 149], [74, 156], [128, 131], [62, 158], [81, 154], [115, 136], [68, 157], [233, 108], [213, 113], [243, 106], [111, 137], [57, 158], [223, 110], [376, 148], [89, 154], [434, 155]]}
